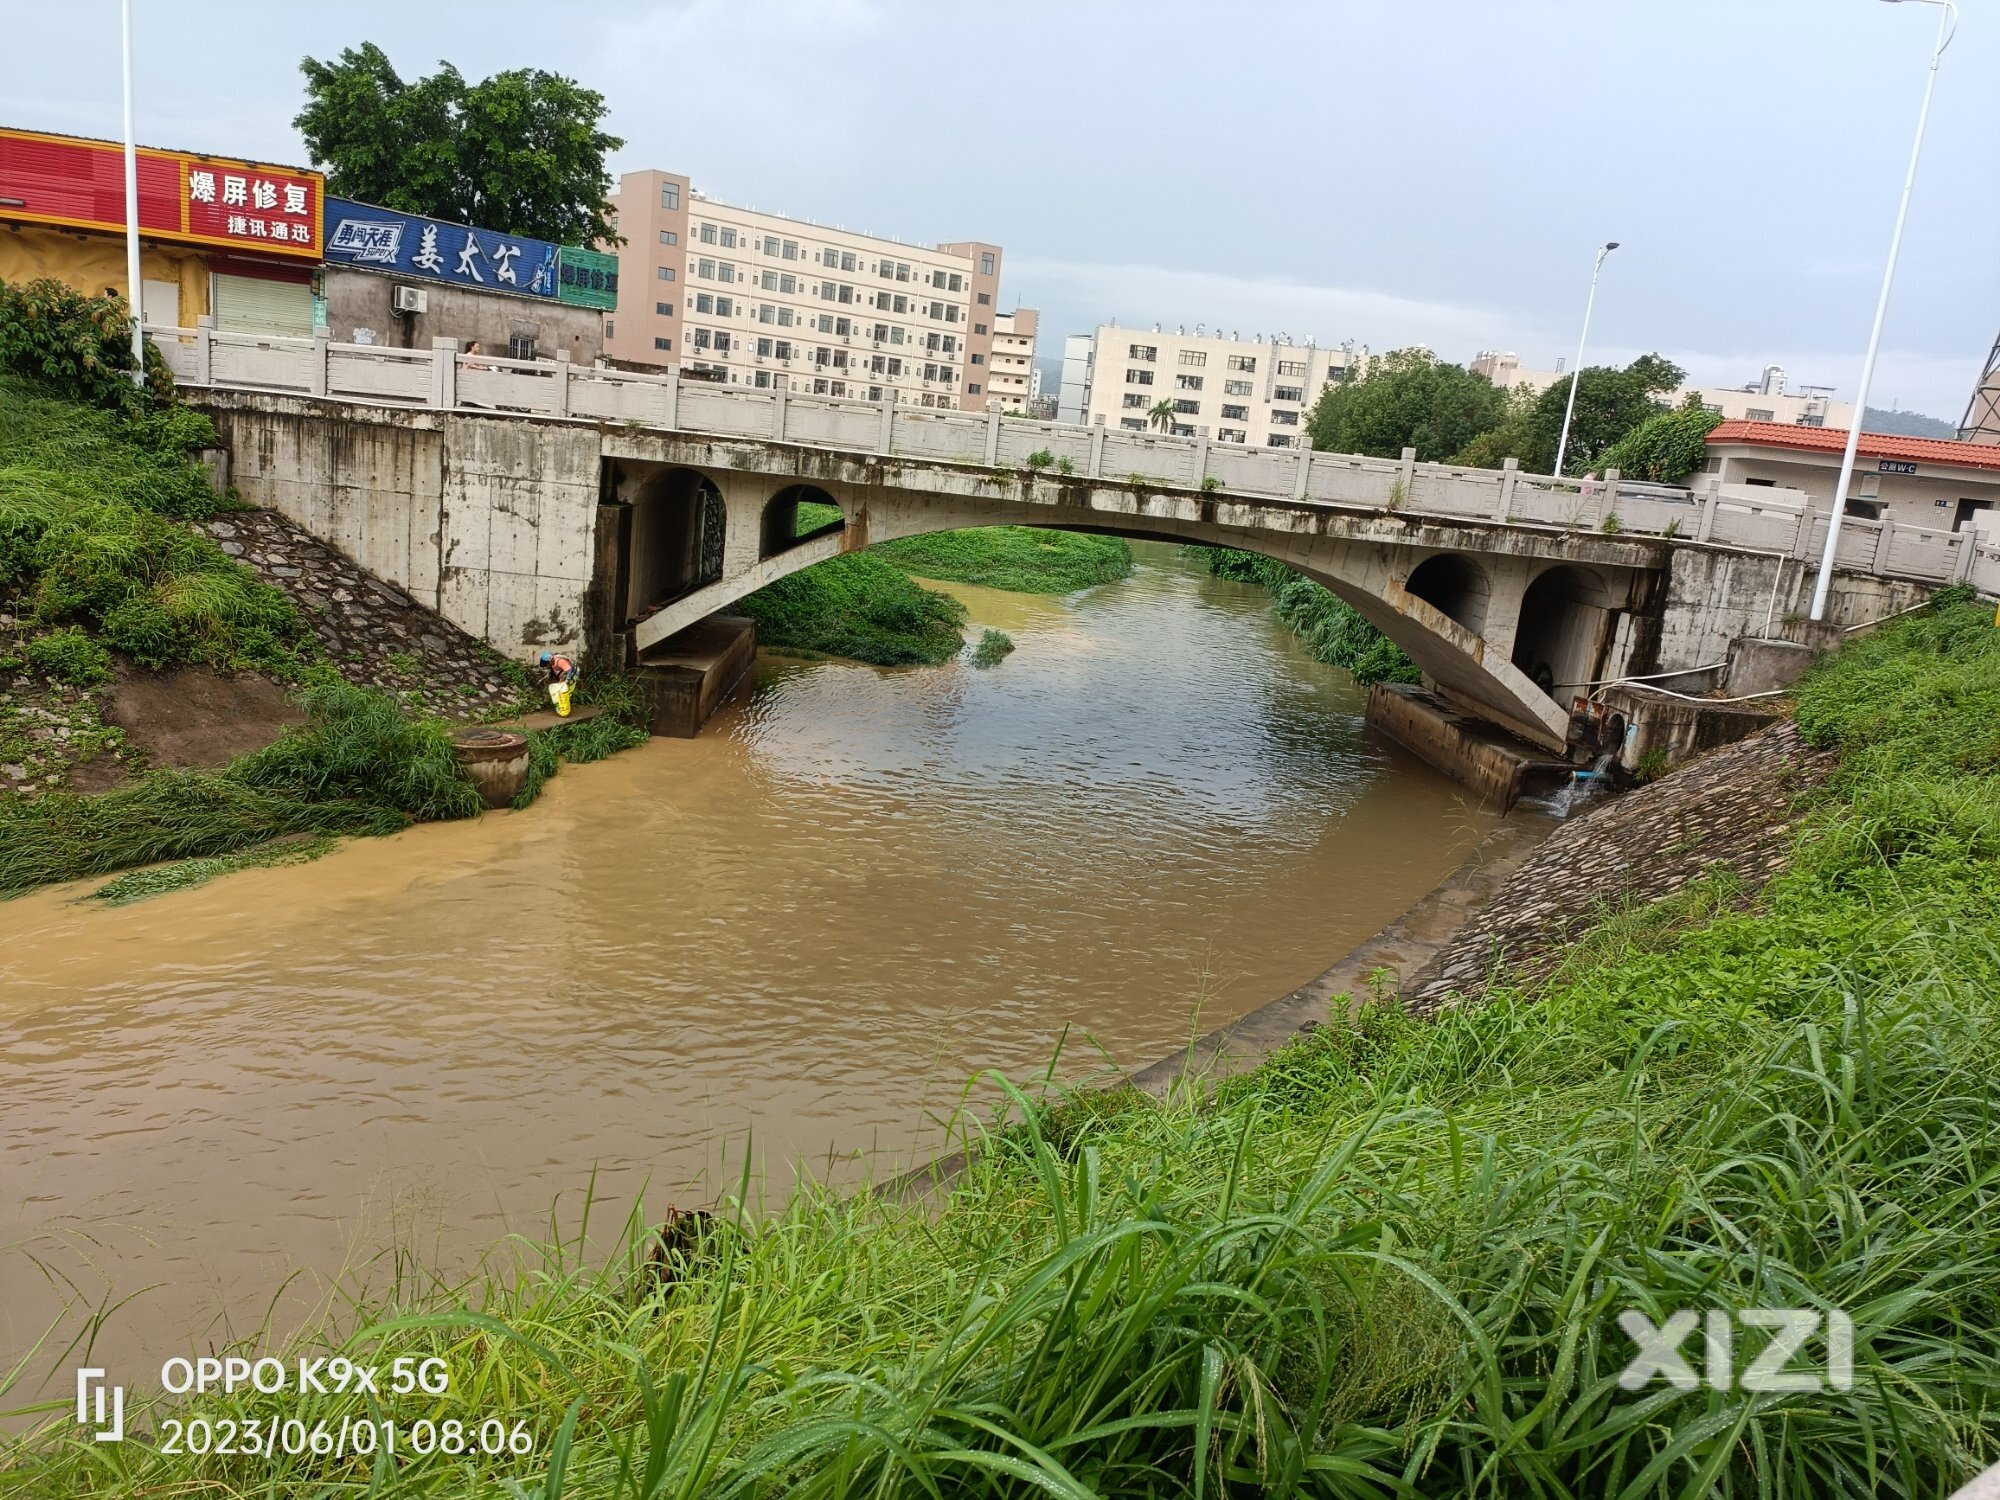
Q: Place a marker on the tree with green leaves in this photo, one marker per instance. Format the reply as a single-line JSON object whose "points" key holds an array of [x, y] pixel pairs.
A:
{"points": [[1162, 416], [1609, 404], [1666, 447], [521, 152], [1408, 398]]}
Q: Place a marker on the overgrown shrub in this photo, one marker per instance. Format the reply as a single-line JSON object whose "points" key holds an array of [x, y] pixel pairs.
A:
{"points": [[77, 346], [1020, 559], [1666, 447], [861, 606], [68, 655]]}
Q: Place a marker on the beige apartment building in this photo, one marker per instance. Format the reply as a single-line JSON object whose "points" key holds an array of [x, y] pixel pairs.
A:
{"points": [[1011, 369], [1229, 390], [756, 299], [1764, 400]]}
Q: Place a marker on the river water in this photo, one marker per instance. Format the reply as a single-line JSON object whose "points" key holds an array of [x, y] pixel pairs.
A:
{"points": [[790, 940]]}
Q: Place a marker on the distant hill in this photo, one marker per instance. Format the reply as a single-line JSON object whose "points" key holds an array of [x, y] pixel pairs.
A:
{"points": [[1907, 424]]}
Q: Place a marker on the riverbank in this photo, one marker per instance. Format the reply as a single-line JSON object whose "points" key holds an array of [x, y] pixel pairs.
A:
{"points": [[187, 680], [1394, 1255], [872, 607]]}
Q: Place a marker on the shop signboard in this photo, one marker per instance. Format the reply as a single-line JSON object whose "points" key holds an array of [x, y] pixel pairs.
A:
{"points": [[587, 278], [400, 244]]}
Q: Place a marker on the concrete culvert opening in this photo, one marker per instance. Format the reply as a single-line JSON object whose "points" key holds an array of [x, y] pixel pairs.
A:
{"points": [[679, 524], [1455, 586], [797, 514], [1565, 627]]}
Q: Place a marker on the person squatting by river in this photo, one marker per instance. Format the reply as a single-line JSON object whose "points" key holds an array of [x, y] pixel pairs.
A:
{"points": [[562, 680]]}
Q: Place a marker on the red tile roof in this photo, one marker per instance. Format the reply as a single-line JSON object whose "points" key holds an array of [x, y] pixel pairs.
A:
{"points": [[1872, 444]]}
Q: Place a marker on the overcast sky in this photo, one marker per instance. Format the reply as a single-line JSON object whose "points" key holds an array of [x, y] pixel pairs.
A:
{"points": [[1386, 171]]}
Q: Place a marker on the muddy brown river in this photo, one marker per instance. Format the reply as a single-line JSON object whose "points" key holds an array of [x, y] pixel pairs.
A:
{"points": [[791, 940]]}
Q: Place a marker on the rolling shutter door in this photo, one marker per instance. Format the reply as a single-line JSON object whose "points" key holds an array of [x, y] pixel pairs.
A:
{"points": [[250, 304]]}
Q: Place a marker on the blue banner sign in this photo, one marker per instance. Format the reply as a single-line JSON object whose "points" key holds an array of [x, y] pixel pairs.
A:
{"points": [[400, 244]]}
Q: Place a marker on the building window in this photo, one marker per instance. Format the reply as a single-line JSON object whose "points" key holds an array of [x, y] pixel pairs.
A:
{"points": [[1132, 424], [1757, 414], [706, 234], [705, 269], [668, 237], [1288, 393], [1235, 387], [985, 263], [1187, 382], [724, 307], [784, 349], [1135, 398], [1183, 431], [979, 328], [703, 302], [725, 272], [1231, 435], [1284, 418], [666, 273], [979, 359], [670, 195], [984, 300], [664, 309], [761, 379], [610, 329], [1292, 367], [1193, 357], [784, 317], [728, 238], [1235, 413], [763, 348], [972, 390], [1138, 377], [1147, 352], [1247, 363], [663, 343], [770, 245], [1188, 408], [1278, 440]]}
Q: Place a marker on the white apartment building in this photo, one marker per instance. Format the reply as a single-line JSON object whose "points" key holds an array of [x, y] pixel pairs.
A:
{"points": [[756, 299], [1764, 400], [1229, 390], [1011, 375]]}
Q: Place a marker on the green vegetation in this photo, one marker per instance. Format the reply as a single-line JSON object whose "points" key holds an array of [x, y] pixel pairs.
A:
{"points": [[69, 656], [1389, 1262], [1020, 559], [993, 648], [80, 348], [1666, 447], [1333, 631], [858, 605], [815, 515], [185, 874], [1409, 398], [521, 152], [1609, 404]]}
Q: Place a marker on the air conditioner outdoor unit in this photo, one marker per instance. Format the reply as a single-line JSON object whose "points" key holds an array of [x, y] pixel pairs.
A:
{"points": [[409, 299]]}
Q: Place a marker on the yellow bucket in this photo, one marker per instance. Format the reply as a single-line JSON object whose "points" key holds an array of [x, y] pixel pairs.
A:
{"points": [[559, 695]]}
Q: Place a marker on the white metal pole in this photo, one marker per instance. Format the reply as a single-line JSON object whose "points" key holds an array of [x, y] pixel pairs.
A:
{"points": [[1947, 20], [132, 285], [1576, 375]]}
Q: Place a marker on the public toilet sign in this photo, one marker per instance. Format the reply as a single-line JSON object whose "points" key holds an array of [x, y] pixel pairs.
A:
{"points": [[400, 244], [74, 183], [1894, 466]]}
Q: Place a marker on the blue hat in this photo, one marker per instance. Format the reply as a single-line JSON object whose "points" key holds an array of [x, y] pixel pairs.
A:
{"points": [[546, 658]]}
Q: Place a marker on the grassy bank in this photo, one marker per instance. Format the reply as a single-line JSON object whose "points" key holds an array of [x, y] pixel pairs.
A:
{"points": [[867, 607], [1332, 630], [1020, 559], [1389, 1262]]}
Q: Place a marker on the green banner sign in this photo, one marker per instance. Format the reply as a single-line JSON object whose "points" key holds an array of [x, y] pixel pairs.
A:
{"points": [[586, 278]]}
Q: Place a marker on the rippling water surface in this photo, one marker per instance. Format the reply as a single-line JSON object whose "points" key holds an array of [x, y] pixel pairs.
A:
{"points": [[795, 936]]}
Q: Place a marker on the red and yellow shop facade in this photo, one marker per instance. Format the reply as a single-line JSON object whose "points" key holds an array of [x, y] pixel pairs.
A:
{"points": [[239, 240]]}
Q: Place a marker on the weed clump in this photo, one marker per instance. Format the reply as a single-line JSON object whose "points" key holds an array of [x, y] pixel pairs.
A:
{"points": [[861, 606], [993, 648], [69, 656]]}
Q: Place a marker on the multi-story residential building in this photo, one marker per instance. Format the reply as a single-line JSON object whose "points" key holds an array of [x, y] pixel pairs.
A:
{"points": [[1764, 400], [1230, 390], [1011, 375], [750, 298]]}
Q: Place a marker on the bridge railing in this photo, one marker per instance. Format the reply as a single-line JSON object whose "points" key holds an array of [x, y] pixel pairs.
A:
{"points": [[445, 379]]}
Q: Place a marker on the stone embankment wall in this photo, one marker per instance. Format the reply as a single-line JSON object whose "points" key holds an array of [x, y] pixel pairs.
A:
{"points": [[1734, 807], [372, 632]]}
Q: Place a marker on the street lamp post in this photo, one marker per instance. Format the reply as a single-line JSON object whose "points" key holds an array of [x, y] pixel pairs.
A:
{"points": [[1947, 23], [132, 285], [1576, 375]]}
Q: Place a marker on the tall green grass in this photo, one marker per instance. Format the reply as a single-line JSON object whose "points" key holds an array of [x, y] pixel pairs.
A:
{"points": [[861, 606], [1387, 1263], [1021, 559]]}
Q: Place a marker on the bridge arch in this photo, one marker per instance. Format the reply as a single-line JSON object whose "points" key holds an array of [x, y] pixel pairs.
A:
{"points": [[1564, 629], [1456, 586], [797, 515], [680, 527]]}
